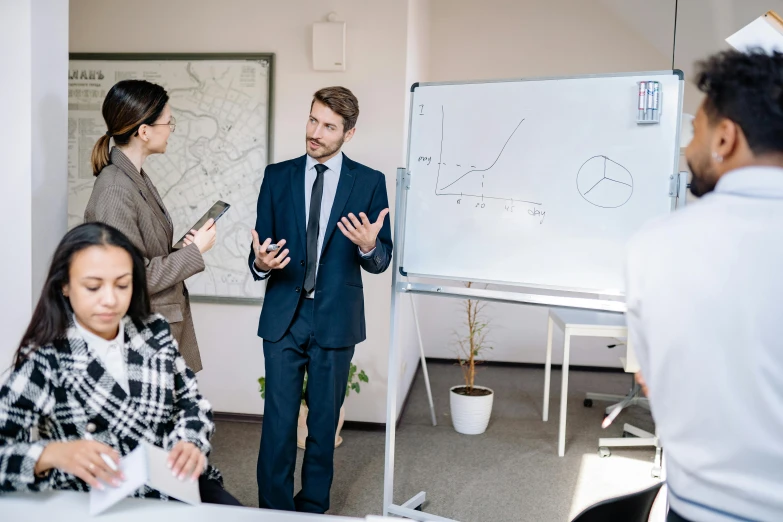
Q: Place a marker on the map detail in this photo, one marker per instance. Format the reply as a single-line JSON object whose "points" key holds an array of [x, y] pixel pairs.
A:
{"points": [[218, 151]]}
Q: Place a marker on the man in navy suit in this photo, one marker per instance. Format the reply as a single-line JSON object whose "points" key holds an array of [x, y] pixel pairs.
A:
{"points": [[313, 312]]}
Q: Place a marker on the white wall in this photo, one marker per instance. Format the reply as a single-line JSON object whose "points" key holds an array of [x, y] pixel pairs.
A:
{"points": [[507, 39], [16, 149], [33, 36], [417, 70], [376, 52], [702, 29], [49, 134]]}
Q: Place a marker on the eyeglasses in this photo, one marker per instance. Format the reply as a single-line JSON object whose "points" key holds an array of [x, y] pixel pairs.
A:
{"points": [[172, 124]]}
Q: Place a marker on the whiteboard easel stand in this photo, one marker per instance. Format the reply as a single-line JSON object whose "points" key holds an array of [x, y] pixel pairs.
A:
{"points": [[411, 508]]}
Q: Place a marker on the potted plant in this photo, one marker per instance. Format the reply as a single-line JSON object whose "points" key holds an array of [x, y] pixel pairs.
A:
{"points": [[301, 428], [471, 405]]}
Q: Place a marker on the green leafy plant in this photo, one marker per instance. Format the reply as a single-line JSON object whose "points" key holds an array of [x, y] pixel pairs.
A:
{"points": [[472, 343], [353, 382]]}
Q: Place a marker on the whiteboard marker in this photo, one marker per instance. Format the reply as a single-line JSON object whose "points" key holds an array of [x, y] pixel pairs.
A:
{"points": [[649, 99], [657, 102], [642, 92]]}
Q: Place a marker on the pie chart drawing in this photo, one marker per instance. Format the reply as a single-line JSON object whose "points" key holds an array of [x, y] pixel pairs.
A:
{"points": [[604, 183]]}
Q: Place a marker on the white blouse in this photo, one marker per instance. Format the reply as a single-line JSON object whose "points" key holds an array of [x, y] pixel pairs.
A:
{"points": [[110, 353]]}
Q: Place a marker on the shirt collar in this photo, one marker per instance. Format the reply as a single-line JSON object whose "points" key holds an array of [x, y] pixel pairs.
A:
{"points": [[95, 341], [763, 182], [335, 164]]}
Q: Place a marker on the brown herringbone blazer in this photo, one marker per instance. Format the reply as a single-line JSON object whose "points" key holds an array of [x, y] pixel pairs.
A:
{"points": [[127, 200]]}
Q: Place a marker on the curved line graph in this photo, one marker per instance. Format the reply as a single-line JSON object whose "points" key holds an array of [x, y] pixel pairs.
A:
{"points": [[473, 169], [493, 163]]}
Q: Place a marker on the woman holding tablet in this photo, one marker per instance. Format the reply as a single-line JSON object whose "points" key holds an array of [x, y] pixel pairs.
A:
{"points": [[97, 375], [139, 120]]}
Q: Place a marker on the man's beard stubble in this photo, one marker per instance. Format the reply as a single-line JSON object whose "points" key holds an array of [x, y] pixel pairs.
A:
{"points": [[328, 151], [701, 182]]}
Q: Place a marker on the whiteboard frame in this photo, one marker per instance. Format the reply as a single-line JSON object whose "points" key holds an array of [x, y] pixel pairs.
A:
{"points": [[676, 201]]}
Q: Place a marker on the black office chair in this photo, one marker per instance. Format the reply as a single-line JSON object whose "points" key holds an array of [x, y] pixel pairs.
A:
{"points": [[634, 507]]}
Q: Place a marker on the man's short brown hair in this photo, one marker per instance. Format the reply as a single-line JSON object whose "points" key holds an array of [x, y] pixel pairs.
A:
{"points": [[342, 101]]}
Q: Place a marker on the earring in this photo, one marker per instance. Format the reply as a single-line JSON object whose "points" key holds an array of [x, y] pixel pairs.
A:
{"points": [[717, 157]]}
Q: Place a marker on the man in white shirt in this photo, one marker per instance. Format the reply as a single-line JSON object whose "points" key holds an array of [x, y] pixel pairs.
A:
{"points": [[704, 293]]}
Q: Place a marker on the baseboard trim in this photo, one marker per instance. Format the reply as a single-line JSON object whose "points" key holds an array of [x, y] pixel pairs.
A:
{"points": [[251, 418], [539, 366], [381, 426]]}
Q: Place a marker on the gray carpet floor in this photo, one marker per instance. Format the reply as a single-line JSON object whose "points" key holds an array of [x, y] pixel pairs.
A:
{"points": [[511, 472]]}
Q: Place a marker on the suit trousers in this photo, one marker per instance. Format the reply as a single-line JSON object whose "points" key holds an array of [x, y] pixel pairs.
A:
{"points": [[327, 377]]}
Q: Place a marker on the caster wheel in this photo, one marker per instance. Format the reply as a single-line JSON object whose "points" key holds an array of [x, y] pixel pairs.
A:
{"points": [[588, 403], [604, 452], [625, 435]]}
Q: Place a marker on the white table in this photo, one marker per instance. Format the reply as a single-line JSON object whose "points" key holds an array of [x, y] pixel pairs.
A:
{"points": [[584, 323], [72, 506]]}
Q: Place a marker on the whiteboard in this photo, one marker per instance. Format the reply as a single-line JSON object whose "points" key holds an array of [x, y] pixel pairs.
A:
{"points": [[536, 182]]}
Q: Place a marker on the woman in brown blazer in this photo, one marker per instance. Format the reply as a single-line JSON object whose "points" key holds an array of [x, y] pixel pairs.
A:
{"points": [[139, 120]]}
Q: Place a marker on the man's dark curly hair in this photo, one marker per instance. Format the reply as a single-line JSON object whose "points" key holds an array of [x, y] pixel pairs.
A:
{"points": [[746, 88]]}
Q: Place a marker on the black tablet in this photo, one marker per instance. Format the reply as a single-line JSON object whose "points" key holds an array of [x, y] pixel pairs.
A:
{"points": [[217, 210]]}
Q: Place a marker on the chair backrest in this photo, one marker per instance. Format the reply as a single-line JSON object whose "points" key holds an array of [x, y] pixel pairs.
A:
{"points": [[634, 507]]}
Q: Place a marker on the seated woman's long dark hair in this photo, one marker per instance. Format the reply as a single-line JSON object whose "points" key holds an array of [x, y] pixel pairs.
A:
{"points": [[52, 315]]}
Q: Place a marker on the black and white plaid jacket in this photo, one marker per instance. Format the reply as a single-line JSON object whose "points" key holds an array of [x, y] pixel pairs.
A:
{"points": [[62, 387]]}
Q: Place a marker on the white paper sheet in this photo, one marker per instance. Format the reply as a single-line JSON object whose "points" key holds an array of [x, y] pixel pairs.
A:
{"points": [[761, 32], [146, 465], [161, 478], [134, 466]]}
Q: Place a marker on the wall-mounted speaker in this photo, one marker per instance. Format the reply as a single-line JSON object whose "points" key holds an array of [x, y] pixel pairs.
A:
{"points": [[329, 46]]}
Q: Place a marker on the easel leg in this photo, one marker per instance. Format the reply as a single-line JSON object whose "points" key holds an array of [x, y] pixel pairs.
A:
{"points": [[564, 395], [548, 369], [424, 363]]}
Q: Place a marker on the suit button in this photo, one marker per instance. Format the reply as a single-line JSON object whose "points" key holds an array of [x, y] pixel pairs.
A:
{"points": [[302, 263], [90, 428], [297, 289]]}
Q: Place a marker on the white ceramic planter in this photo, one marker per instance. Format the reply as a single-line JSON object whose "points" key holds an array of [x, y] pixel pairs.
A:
{"points": [[470, 415], [301, 427]]}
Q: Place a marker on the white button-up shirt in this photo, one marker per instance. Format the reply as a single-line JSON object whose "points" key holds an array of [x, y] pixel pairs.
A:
{"points": [[111, 353], [705, 311]]}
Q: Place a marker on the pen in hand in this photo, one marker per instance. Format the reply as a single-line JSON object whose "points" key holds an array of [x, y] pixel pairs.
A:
{"points": [[109, 462]]}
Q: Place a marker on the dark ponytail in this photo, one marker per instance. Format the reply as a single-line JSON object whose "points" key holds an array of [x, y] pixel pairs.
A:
{"points": [[128, 105]]}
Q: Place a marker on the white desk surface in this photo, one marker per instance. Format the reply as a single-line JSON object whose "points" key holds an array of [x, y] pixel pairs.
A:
{"points": [[578, 317], [73, 506]]}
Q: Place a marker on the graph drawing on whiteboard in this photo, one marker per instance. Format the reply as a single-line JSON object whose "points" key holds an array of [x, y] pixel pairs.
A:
{"points": [[604, 183], [449, 186]]}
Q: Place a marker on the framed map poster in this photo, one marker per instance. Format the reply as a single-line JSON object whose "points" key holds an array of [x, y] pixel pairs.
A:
{"points": [[223, 107]]}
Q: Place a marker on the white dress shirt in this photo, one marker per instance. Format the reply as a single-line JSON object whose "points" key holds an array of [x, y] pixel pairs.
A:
{"points": [[705, 310], [331, 179], [111, 353]]}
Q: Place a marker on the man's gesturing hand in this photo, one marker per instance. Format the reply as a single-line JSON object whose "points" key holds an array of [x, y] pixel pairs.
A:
{"points": [[362, 233], [266, 261]]}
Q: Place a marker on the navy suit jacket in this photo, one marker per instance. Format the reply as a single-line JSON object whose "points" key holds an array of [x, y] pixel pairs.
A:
{"points": [[339, 297]]}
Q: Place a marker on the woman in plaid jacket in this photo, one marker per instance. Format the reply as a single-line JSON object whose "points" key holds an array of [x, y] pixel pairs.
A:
{"points": [[96, 374]]}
